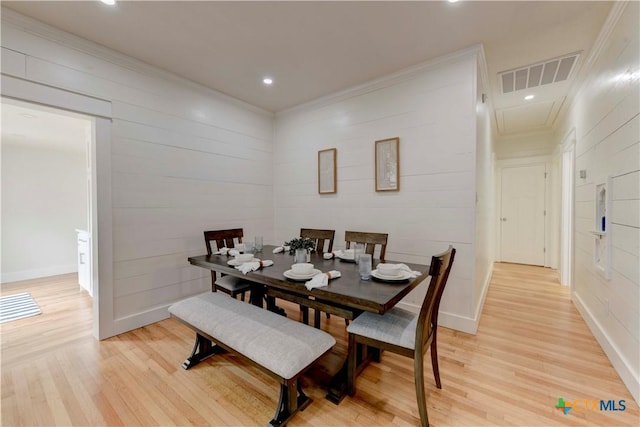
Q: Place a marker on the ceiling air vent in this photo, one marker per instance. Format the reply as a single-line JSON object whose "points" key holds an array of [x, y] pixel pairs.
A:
{"points": [[544, 73]]}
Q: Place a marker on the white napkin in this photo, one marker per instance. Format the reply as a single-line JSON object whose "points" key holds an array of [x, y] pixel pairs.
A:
{"points": [[281, 249], [233, 252], [322, 279], [253, 265], [405, 267], [221, 251], [332, 254]]}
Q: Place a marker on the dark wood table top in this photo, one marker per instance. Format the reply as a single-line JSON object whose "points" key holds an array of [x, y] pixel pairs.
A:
{"points": [[348, 290]]}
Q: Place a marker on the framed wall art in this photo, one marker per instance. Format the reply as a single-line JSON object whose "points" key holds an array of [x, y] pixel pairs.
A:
{"points": [[327, 180], [388, 164]]}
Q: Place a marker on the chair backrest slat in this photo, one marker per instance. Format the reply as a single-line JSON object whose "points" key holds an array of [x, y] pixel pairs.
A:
{"points": [[428, 319], [223, 238], [320, 237], [369, 239]]}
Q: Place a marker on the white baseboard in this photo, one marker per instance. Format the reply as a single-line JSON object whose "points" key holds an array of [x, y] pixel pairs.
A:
{"points": [[138, 320], [17, 276], [483, 297], [456, 321], [448, 320], [625, 371]]}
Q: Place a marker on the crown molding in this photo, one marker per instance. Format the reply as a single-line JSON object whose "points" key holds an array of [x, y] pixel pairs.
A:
{"points": [[40, 29], [604, 36], [383, 82]]}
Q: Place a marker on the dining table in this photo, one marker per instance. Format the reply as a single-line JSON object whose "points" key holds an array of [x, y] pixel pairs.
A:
{"points": [[346, 296]]}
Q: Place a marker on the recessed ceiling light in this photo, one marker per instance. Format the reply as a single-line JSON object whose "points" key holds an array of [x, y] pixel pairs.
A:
{"points": [[529, 97], [452, 1], [109, 2], [268, 81]]}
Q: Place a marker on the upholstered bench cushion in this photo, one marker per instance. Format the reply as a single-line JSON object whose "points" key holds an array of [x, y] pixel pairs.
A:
{"points": [[397, 326], [283, 346]]}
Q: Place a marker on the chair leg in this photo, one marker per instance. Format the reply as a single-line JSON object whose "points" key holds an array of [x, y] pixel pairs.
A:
{"points": [[434, 359], [351, 365], [420, 391], [316, 319], [305, 314]]}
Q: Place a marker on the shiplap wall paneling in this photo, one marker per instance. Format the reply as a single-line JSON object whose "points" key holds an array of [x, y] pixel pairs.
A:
{"points": [[433, 113], [605, 115], [184, 159], [484, 241]]}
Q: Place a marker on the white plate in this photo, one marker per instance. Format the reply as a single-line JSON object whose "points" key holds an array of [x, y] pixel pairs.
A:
{"points": [[404, 275], [346, 258], [234, 262], [289, 274]]}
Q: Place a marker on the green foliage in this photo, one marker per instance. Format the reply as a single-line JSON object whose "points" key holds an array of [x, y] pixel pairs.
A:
{"points": [[300, 243]]}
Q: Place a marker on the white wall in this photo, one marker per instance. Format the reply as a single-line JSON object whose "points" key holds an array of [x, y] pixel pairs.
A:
{"points": [[484, 243], [432, 109], [44, 199], [605, 115], [528, 145], [184, 159]]}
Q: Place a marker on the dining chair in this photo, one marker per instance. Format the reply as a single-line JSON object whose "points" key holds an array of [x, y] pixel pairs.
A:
{"points": [[404, 332], [322, 238], [231, 285], [369, 239]]}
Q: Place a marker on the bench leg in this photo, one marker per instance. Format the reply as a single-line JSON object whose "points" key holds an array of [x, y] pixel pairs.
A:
{"points": [[292, 399], [202, 349]]}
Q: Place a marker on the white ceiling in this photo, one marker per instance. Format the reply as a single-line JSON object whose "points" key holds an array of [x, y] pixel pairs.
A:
{"points": [[312, 49]]}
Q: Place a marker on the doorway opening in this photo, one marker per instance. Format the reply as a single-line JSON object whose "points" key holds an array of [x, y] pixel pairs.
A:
{"points": [[46, 194]]}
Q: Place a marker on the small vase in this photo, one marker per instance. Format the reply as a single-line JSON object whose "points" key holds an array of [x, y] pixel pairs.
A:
{"points": [[300, 256]]}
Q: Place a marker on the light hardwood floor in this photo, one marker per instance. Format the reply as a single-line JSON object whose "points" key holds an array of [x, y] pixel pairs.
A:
{"points": [[532, 347]]}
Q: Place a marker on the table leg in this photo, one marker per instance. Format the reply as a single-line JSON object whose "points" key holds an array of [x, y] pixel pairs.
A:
{"points": [[257, 295], [338, 385]]}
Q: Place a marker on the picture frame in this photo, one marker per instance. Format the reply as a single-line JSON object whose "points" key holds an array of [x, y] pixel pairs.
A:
{"points": [[327, 175], [387, 164]]}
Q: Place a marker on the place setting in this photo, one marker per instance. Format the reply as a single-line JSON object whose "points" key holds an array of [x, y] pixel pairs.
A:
{"points": [[240, 259], [301, 272], [347, 255], [386, 272], [246, 260], [314, 278]]}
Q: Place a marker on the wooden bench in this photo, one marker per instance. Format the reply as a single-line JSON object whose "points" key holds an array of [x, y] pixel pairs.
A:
{"points": [[280, 347]]}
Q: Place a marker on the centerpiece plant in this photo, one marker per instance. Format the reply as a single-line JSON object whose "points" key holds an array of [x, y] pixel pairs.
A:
{"points": [[300, 243]]}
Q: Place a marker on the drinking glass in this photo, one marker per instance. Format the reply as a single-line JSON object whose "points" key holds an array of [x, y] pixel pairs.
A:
{"points": [[258, 242], [248, 248], [358, 250], [364, 266]]}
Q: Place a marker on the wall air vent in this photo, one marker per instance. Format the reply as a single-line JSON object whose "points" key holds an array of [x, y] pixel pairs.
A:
{"points": [[543, 73]]}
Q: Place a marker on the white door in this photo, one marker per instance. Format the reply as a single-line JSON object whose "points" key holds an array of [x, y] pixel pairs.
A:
{"points": [[522, 214]]}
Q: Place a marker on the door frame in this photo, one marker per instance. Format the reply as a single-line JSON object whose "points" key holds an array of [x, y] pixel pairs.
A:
{"points": [[568, 162], [101, 215], [524, 161]]}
